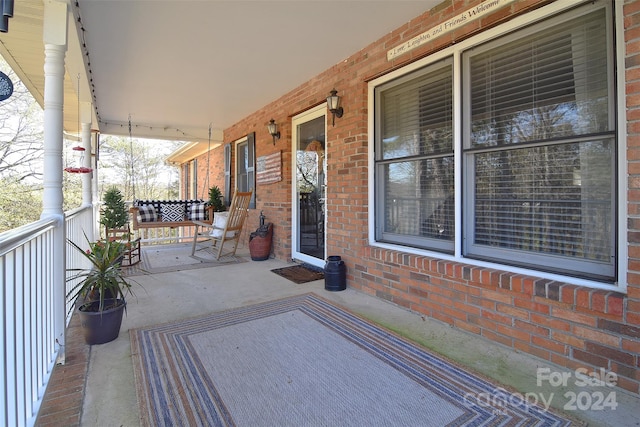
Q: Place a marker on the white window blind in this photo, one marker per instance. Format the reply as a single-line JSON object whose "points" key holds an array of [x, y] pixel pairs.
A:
{"points": [[549, 85], [415, 159], [540, 150]]}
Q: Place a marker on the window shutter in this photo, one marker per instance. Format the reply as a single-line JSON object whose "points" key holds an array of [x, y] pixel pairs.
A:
{"points": [[193, 192], [184, 187], [227, 174], [251, 167]]}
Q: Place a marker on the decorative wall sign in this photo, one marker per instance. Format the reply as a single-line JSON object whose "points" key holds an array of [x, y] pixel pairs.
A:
{"points": [[6, 86], [445, 27], [269, 168]]}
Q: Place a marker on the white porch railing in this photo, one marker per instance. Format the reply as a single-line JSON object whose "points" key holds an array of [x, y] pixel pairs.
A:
{"points": [[80, 226], [31, 304]]}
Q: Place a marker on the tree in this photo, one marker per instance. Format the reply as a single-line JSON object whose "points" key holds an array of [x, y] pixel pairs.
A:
{"points": [[114, 212], [20, 203], [142, 170], [21, 133]]}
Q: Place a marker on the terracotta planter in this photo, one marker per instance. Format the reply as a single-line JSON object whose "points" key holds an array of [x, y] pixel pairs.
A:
{"points": [[260, 243], [100, 327]]}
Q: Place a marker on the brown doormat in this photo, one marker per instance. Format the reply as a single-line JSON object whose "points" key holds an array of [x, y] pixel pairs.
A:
{"points": [[300, 273]]}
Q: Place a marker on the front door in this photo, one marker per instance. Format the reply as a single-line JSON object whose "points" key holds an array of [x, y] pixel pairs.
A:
{"points": [[309, 186]]}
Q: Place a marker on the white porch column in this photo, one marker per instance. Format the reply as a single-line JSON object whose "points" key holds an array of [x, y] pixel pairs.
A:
{"points": [[85, 119], [87, 187], [95, 141], [55, 46]]}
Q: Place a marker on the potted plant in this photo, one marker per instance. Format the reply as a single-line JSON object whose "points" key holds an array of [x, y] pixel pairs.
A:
{"points": [[215, 199], [114, 214], [101, 291]]}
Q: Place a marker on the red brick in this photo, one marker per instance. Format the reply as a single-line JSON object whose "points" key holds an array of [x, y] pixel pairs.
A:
{"points": [[484, 323], [619, 328], [633, 319], [480, 302], [568, 339], [596, 336], [598, 301], [630, 385], [633, 306], [572, 316], [632, 346], [615, 304], [550, 322], [514, 333], [531, 328], [626, 371], [496, 317], [610, 353], [532, 306], [513, 311], [549, 345], [567, 294], [583, 297], [593, 359], [498, 296]]}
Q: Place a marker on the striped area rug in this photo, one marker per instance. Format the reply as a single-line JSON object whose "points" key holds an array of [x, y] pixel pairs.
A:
{"points": [[302, 361], [170, 258]]}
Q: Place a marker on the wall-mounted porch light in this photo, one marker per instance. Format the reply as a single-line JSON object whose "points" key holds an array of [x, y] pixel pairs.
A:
{"points": [[333, 102], [273, 130], [6, 7]]}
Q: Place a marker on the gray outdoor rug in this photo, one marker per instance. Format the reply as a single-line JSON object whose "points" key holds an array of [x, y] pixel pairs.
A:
{"points": [[177, 257], [303, 361]]}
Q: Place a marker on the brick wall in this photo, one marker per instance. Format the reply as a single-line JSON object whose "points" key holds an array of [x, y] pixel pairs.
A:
{"points": [[627, 330], [567, 324]]}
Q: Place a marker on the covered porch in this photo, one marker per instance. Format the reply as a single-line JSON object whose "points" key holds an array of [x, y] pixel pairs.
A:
{"points": [[93, 79]]}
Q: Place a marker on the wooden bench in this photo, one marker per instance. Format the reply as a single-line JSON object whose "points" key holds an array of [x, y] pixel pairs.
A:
{"points": [[173, 219]]}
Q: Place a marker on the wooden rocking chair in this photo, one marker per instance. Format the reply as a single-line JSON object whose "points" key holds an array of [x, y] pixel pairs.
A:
{"points": [[220, 231], [131, 255]]}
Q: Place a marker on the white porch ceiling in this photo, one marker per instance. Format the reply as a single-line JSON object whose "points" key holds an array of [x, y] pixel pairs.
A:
{"points": [[175, 67]]}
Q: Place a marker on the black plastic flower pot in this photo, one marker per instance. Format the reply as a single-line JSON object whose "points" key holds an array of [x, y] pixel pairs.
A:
{"points": [[100, 327]]}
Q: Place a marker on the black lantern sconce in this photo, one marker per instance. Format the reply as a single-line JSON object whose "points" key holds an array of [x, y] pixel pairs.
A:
{"points": [[6, 7], [273, 130], [333, 102]]}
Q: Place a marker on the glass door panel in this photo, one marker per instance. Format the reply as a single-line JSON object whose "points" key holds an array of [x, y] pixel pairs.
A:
{"points": [[309, 187]]}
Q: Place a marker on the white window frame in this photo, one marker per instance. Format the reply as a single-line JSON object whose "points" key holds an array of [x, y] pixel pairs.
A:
{"points": [[455, 52]]}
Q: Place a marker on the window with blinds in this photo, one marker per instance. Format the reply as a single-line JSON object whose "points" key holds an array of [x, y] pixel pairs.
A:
{"points": [[539, 150], [246, 166], [414, 160]]}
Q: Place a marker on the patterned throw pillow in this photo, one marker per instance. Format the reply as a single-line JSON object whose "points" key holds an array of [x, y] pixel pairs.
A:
{"points": [[172, 213], [197, 211], [147, 213]]}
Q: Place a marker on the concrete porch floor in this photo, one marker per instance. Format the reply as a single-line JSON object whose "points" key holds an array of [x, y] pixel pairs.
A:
{"points": [[96, 385]]}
